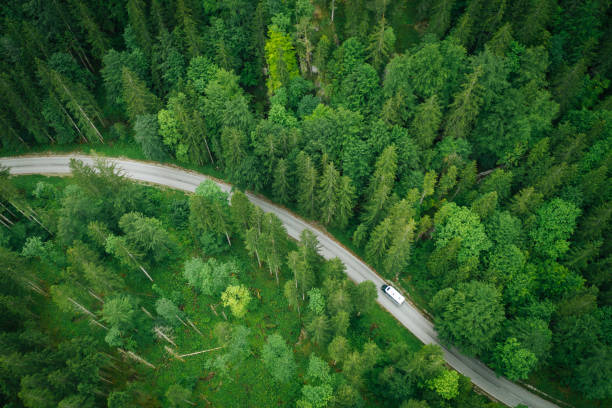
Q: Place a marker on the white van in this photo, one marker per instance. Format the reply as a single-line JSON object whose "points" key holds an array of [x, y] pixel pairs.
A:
{"points": [[393, 294]]}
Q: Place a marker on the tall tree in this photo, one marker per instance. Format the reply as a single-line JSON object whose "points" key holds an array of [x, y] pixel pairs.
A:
{"points": [[469, 316], [465, 107], [278, 358], [280, 57], [138, 98], [306, 174]]}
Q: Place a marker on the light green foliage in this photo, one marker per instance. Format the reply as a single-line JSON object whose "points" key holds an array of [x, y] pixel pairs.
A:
{"points": [[184, 130], [429, 182], [85, 263], [147, 235], [237, 298], [340, 323], [338, 349], [555, 223], [278, 358], [485, 205], [168, 311], [120, 312], [34, 247], [280, 57], [318, 369], [446, 385], [465, 107], [315, 396], [316, 301], [178, 396], [514, 361], [398, 254], [469, 316], [505, 263], [364, 296], [210, 210], [319, 329], [210, 277], [452, 221]]}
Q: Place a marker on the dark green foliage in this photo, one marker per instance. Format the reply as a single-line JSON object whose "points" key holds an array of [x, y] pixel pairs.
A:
{"points": [[452, 140], [469, 316]]}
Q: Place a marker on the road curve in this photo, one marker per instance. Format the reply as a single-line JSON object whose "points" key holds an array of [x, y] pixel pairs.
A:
{"points": [[499, 388]]}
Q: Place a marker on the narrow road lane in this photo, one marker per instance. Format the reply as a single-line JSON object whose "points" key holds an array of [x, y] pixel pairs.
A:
{"points": [[498, 387]]}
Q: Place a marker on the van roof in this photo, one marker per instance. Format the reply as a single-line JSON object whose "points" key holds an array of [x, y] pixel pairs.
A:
{"points": [[391, 291]]}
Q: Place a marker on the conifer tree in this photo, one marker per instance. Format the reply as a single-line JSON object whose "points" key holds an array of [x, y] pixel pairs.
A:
{"points": [[280, 57], [381, 184], [137, 97], [398, 255], [95, 37], [465, 107], [382, 42], [429, 182], [426, 122], [281, 188], [441, 17], [138, 22], [379, 242], [306, 185], [328, 193]]}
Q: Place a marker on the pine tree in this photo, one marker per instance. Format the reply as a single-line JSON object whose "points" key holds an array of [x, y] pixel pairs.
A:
{"points": [[345, 202], [306, 185], [426, 122], [233, 142], [379, 242], [95, 37], [185, 19], [280, 56], [138, 98], [381, 185], [319, 329], [274, 245], [447, 181], [441, 17], [382, 42], [138, 22], [398, 254], [465, 107], [281, 188], [429, 182], [240, 212], [328, 193], [77, 99]]}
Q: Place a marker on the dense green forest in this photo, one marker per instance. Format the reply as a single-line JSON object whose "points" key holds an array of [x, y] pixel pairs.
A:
{"points": [[120, 295], [463, 148]]}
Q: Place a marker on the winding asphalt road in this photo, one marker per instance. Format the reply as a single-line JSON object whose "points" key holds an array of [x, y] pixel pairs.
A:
{"points": [[498, 388]]}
